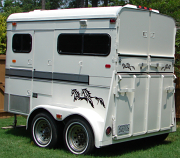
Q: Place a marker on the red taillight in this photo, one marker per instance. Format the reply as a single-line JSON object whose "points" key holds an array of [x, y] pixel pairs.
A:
{"points": [[108, 131], [108, 66], [112, 20]]}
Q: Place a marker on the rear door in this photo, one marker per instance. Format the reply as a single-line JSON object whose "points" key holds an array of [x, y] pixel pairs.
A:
{"points": [[161, 43], [145, 88]]}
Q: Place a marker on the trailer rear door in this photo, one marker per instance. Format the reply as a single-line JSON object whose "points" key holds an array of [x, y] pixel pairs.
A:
{"points": [[144, 82]]}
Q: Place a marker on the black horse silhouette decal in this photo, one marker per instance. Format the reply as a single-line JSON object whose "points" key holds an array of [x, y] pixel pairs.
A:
{"points": [[86, 95]]}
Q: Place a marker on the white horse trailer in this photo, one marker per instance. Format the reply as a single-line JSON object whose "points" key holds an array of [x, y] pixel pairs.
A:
{"points": [[91, 76]]}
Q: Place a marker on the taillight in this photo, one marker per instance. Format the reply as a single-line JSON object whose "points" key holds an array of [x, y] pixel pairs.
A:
{"points": [[108, 130]]}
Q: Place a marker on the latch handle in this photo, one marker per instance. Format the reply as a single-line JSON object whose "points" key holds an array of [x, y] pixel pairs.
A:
{"points": [[169, 89], [125, 90]]}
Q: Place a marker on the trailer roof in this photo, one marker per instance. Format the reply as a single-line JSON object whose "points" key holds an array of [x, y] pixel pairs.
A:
{"points": [[67, 14], [63, 14]]}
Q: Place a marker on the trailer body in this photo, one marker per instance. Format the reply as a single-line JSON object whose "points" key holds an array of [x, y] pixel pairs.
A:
{"points": [[112, 67]]}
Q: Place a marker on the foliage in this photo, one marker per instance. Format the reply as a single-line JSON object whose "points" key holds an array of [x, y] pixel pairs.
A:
{"points": [[2, 34]]}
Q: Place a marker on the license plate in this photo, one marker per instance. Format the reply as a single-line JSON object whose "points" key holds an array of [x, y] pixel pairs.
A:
{"points": [[123, 129]]}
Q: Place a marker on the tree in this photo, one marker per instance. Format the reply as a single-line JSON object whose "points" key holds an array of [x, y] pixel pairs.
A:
{"points": [[2, 34]]}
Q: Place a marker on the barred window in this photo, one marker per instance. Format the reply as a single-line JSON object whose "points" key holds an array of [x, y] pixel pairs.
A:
{"points": [[84, 44], [22, 43]]}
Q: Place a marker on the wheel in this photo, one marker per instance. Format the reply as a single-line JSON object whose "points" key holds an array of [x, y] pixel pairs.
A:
{"points": [[78, 136], [44, 130]]}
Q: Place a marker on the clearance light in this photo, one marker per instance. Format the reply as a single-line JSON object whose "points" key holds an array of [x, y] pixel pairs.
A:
{"points": [[112, 20], [58, 116], [108, 66], [13, 61], [14, 24], [140, 7], [108, 130]]}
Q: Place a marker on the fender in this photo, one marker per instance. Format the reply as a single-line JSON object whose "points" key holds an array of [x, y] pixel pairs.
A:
{"points": [[94, 119]]}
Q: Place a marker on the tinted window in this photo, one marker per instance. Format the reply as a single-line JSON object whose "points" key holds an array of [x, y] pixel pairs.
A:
{"points": [[96, 44], [22, 43], [70, 43], [84, 44]]}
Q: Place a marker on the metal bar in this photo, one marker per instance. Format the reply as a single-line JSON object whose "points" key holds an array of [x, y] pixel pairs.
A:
{"points": [[160, 100], [147, 103], [132, 107]]}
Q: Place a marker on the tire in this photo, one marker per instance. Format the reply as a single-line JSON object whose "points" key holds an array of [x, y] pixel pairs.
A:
{"points": [[44, 130], [78, 136]]}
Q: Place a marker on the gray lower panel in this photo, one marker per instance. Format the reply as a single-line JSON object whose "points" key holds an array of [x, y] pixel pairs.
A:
{"points": [[6, 101], [19, 103]]}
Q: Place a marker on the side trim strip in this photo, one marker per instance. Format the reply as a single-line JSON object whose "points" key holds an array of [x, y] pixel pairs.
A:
{"points": [[48, 75], [19, 73], [42, 75], [71, 77]]}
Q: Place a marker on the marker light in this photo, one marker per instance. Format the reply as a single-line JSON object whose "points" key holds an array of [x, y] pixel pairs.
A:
{"points": [[14, 24], [112, 20], [58, 116], [140, 7], [13, 61], [108, 66]]}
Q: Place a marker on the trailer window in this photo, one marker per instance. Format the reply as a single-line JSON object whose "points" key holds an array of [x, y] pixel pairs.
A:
{"points": [[84, 44], [22, 43]]}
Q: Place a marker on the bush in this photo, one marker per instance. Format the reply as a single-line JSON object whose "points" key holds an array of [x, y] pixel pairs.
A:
{"points": [[2, 34]]}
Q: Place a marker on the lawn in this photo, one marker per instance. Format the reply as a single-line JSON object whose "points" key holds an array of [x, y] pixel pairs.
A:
{"points": [[17, 143]]}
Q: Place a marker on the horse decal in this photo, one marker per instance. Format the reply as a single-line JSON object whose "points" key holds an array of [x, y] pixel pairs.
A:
{"points": [[128, 66], [166, 67], [86, 95]]}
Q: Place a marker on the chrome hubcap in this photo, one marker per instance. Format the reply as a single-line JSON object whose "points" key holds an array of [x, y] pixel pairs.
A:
{"points": [[77, 137], [42, 132]]}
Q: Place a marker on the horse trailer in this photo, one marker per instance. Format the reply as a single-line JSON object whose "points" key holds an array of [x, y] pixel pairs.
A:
{"points": [[91, 77]]}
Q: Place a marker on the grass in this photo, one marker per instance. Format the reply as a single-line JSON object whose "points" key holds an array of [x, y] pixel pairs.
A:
{"points": [[17, 143]]}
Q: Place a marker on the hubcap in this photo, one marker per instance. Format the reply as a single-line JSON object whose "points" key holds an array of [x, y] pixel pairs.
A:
{"points": [[42, 132], [77, 138]]}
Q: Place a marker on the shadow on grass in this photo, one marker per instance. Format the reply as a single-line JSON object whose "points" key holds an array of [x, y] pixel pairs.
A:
{"points": [[20, 132], [127, 147], [111, 150]]}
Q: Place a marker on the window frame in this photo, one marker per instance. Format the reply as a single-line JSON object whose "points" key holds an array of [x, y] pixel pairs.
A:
{"points": [[21, 50], [82, 45]]}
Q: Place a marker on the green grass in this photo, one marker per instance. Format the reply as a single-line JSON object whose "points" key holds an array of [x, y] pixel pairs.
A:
{"points": [[17, 143]]}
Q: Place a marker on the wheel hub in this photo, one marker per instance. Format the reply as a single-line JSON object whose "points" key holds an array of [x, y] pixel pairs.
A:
{"points": [[81, 137]]}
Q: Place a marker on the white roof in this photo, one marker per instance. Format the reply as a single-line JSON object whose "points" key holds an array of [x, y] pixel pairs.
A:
{"points": [[75, 13], [63, 14]]}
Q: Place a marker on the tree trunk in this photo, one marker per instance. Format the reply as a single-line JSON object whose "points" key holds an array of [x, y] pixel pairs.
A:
{"points": [[86, 3], [105, 2], [94, 3], [43, 5], [82, 4]]}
